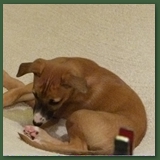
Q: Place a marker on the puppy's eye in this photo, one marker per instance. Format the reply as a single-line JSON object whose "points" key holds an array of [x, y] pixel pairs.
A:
{"points": [[53, 102]]}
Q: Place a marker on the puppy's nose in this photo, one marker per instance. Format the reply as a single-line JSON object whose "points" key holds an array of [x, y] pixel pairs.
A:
{"points": [[37, 124]]}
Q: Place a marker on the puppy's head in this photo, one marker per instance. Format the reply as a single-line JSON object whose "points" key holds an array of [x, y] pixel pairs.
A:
{"points": [[53, 86]]}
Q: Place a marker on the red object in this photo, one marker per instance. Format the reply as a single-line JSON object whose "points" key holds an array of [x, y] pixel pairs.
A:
{"points": [[128, 133]]}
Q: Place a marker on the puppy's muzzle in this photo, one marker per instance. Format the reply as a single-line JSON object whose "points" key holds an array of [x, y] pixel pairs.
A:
{"points": [[38, 119]]}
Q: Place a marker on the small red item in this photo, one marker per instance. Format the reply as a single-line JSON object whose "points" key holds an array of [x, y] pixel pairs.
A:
{"points": [[128, 133]]}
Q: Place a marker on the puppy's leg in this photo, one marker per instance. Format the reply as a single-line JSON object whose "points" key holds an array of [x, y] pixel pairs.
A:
{"points": [[88, 131], [10, 82], [98, 129], [39, 135], [16, 89], [39, 138], [19, 94]]}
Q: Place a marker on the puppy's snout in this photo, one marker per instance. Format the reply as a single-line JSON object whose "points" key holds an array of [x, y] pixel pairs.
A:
{"points": [[37, 124], [38, 119]]}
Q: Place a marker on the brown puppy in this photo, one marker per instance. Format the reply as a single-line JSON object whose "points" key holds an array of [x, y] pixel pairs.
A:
{"points": [[95, 102]]}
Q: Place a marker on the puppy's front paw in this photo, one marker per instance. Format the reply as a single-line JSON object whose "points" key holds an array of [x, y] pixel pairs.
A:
{"points": [[31, 136], [31, 131]]}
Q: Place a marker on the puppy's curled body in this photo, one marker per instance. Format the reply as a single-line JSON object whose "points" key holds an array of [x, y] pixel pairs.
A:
{"points": [[95, 102]]}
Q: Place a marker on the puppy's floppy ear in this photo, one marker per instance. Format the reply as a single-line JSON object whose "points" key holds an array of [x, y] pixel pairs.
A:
{"points": [[35, 67], [76, 82]]}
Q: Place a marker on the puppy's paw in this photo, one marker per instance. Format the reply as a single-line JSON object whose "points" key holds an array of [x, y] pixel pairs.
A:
{"points": [[31, 131], [31, 135], [37, 137], [28, 140]]}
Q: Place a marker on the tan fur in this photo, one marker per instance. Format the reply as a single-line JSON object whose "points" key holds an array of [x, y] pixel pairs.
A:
{"points": [[95, 102], [17, 91]]}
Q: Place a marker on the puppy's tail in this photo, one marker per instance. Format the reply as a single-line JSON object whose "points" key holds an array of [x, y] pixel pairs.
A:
{"points": [[59, 149]]}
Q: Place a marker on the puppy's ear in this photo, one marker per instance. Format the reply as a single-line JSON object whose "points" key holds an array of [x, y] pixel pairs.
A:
{"points": [[76, 82], [35, 67]]}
